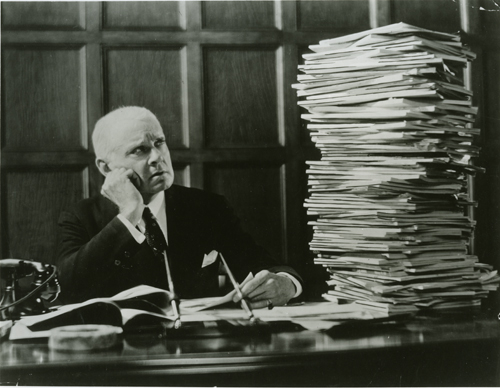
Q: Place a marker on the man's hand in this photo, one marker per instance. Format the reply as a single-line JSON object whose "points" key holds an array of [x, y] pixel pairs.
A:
{"points": [[119, 188], [267, 286]]}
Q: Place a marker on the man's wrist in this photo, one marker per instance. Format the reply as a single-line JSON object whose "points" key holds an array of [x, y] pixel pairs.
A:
{"points": [[137, 235], [133, 214]]}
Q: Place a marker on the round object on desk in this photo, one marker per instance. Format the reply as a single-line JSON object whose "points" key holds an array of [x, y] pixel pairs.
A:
{"points": [[84, 337]]}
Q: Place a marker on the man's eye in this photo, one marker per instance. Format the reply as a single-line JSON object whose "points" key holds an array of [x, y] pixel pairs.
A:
{"points": [[159, 142], [139, 150]]}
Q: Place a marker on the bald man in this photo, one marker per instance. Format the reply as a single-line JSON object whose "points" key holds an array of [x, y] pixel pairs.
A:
{"points": [[103, 249]]}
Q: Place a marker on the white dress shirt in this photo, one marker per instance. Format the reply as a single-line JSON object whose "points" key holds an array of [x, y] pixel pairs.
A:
{"points": [[157, 207]]}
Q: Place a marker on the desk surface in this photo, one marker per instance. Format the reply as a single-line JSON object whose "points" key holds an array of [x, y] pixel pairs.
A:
{"points": [[441, 349]]}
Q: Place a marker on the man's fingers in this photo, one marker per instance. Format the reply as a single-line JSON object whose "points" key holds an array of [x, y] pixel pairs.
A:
{"points": [[117, 172], [260, 291], [250, 292], [253, 285], [261, 288], [128, 172], [120, 189], [259, 304], [266, 288]]}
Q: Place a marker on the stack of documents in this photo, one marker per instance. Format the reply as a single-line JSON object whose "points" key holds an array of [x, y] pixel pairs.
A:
{"points": [[390, 114]]}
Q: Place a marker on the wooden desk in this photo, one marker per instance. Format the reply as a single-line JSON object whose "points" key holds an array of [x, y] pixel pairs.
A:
{"points": [[439, 350]]}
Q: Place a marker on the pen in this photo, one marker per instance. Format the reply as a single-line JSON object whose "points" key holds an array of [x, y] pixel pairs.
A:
{"points": [[244, 304], [175, 301]]}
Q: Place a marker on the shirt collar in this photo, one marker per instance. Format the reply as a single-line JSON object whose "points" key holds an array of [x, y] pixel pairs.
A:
{"points": [[156, 204]]}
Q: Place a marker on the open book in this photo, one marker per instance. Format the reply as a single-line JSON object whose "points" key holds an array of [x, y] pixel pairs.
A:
{"points": [[132, 309]]}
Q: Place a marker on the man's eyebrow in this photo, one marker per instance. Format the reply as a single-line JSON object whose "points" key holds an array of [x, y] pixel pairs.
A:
{"points": [[134, 145]]}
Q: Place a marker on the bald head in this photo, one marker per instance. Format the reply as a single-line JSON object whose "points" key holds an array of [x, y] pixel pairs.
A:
{"points": [[106, 126]]}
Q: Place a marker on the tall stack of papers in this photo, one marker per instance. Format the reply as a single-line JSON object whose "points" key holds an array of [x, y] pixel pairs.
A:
{"points": [[393, 121]]}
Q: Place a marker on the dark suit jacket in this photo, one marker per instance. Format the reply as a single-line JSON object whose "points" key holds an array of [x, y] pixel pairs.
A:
{"points": [[98, 256]]}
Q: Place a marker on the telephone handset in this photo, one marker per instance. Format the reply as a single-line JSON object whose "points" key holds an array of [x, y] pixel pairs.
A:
{"points": [[44, 288], [136, 181]]}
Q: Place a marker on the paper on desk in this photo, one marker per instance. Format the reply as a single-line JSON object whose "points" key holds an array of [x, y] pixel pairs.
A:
{"points": [[21, 331], [311, 316], [325, 315], [34, 319], [199, 304], [317, 310], [5, 328], [159, 296]]}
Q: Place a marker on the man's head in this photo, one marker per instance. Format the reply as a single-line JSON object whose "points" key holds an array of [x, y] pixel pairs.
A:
{"points": [[131, 137]]}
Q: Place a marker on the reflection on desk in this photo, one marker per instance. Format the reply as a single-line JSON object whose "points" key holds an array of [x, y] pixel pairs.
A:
{"points": [[454, 349]]}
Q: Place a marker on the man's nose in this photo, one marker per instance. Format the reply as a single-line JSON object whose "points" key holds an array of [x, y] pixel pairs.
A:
{"points": [[156, 156]]}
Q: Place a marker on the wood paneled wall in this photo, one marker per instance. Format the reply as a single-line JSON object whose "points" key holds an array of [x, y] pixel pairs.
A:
{"points": [[218, 76]]}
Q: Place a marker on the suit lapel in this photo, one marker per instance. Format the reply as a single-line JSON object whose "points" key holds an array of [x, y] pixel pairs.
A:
{"points": [[185, 251], [173, 219]]}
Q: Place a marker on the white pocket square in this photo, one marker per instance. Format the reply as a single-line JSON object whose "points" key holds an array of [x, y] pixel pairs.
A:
{"points": [[209, 259]]}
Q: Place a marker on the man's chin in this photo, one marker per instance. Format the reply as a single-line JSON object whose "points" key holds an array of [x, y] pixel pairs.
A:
{"points": [[160, 186], [164, 180]]}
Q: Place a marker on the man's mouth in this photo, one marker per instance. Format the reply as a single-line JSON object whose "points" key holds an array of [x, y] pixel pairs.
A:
{"points": [[158, 173]]}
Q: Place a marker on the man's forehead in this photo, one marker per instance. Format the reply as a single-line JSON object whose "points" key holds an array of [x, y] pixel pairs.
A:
{"points": [[136, 131]]}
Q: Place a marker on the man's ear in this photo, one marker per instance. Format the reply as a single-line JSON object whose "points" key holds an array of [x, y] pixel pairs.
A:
{"points": [[102, 166]]}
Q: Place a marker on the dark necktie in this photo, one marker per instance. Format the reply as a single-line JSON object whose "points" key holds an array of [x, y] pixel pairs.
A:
{"points": [[154, 236], [156, 240]]}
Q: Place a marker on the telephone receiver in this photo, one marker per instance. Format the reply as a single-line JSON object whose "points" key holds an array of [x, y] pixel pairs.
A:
{"points": [[17, 302], [136, 181]]}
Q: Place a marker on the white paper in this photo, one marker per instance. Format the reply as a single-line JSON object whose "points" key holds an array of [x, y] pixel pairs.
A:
{"points": [[198, 304]]}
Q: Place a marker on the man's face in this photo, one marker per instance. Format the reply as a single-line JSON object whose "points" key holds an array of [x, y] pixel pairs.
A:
{"points": [[143, 149]]}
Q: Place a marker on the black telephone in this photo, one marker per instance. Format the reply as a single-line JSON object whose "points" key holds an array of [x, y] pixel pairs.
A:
{"points": [[17, 302]]}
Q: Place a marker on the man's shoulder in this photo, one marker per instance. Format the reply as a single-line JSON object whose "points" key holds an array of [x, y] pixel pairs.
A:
{"points": [[192, 195], [180, 197], [95, 202], [189, 200], [95, 207]]}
